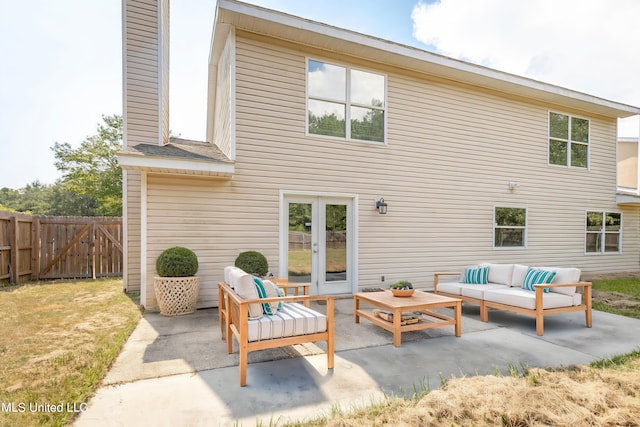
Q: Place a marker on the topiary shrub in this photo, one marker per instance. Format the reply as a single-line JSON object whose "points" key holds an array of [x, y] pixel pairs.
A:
{"points": [[177, 262], [402, 284], [252, 262]]}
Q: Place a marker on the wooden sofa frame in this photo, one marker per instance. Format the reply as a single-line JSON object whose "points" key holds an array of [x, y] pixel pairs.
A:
{"points": [[538, 312], [233, 313]]}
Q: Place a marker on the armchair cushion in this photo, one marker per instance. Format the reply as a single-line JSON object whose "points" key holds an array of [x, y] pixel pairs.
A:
{"points": [[292, 320], [242, 283]]}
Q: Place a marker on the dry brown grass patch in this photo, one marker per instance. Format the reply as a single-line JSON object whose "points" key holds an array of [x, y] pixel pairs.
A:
{"points": [[580, 396]]}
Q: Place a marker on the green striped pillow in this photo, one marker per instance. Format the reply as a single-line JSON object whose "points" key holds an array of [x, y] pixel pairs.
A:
{"points": [[476, 276], [267, 289], [537, 277]]}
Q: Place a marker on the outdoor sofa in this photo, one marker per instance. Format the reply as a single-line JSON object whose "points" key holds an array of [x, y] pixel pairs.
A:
{"points": [[259, 316], [536, 292]]}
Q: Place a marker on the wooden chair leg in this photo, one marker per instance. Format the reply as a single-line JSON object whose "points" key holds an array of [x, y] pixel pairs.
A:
{"points": [[330, 333], [539, 311], [587, 311], [539, 325], [229, 342], [243, 365], [484, 312]]}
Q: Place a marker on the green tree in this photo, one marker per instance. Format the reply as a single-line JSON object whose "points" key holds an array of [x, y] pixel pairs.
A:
{"points": [[34, 198], [66, 203], [92, 170]]}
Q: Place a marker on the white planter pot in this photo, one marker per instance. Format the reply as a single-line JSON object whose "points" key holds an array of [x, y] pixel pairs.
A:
{"points": [[177, 295]]}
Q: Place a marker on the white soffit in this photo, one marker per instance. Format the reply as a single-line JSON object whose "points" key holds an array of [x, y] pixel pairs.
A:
{"points": [[172, 165]]}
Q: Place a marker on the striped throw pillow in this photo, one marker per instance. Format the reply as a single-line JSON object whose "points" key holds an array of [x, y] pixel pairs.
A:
{"points": [[537, 277], [267, 289], [476, 276]]}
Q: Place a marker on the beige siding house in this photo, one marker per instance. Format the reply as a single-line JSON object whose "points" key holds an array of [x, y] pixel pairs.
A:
{"points": [[309, 126]]}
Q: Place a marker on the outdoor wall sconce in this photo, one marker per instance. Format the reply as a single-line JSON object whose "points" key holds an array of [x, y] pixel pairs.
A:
{"points": [[381, 205], [513, 185]]}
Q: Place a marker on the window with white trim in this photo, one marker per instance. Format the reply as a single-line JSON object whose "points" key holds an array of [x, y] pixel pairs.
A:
{"points": [[603, 232], [344, 102], [509, 227], [568, 141]]}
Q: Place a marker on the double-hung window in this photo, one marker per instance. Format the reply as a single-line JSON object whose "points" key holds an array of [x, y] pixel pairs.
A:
{"points": [[603, 231], [568, 141], [344, 102], [510, 227]]}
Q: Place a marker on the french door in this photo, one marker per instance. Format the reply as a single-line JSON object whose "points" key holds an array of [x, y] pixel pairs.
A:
{"points": [[318, 243]]}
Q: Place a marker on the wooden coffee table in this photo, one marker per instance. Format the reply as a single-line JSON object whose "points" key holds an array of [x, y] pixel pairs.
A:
{"points": [[420, 301]]}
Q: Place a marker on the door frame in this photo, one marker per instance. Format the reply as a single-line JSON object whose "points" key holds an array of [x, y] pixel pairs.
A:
{"points": [[283, 233]]}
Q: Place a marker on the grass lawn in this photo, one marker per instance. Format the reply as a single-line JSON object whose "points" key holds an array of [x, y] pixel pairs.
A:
{"points": [[619, 296], [57, 342]]}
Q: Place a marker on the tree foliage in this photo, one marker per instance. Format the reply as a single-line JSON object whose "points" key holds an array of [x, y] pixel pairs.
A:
{"points": [[91, 184], [42, 199], [91, 170]]}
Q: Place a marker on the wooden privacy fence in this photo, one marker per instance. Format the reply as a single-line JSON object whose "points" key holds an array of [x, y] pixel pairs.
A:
{"points": [[49, 247]]}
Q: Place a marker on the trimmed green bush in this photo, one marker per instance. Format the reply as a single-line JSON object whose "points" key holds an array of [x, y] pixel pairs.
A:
{"points": [[402, 284], [177, 262], [252, 262]]}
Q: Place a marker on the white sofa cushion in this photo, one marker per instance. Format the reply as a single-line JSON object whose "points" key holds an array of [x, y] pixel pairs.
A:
{"points": [[243, 284], [478, 291], [501, 274], [227, 271], [292, 320], [564, 275], [527, 299], [468, 289], [519, 273], [451, 287]]}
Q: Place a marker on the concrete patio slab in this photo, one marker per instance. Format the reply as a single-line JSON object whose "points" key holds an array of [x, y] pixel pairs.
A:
{"points": [[176, 371]]}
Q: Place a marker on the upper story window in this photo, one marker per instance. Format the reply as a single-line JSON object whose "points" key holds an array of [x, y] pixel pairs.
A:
{"points": [[568, 141], [510, 227], [344, 102], [603, 231]]}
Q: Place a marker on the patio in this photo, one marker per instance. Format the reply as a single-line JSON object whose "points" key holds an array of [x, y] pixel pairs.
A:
{"points": [[177, 371]]}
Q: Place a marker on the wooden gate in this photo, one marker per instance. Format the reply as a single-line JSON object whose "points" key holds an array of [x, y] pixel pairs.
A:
{"points": [[78, 247], [48, 247]]}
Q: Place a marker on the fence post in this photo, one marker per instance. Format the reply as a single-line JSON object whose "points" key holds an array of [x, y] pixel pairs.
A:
{"points": [[14, 271], [35, 248], [92, 247]]}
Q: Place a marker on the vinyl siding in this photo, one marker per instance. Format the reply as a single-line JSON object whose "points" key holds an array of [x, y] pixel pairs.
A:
{"points": [[164, 76], [132, 221], [145, 95], [451, 151], [223, 132], [628, 164], [212, 217]]}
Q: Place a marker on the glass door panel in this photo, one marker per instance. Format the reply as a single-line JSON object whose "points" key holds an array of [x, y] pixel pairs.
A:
{"points": [[336, 243], [300, 252]]}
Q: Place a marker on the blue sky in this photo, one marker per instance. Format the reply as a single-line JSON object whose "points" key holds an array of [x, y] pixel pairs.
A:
{"points": [[62, 69]]}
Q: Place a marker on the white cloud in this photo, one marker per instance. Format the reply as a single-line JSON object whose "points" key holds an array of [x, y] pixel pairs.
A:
{"points": [[584, 45]]}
